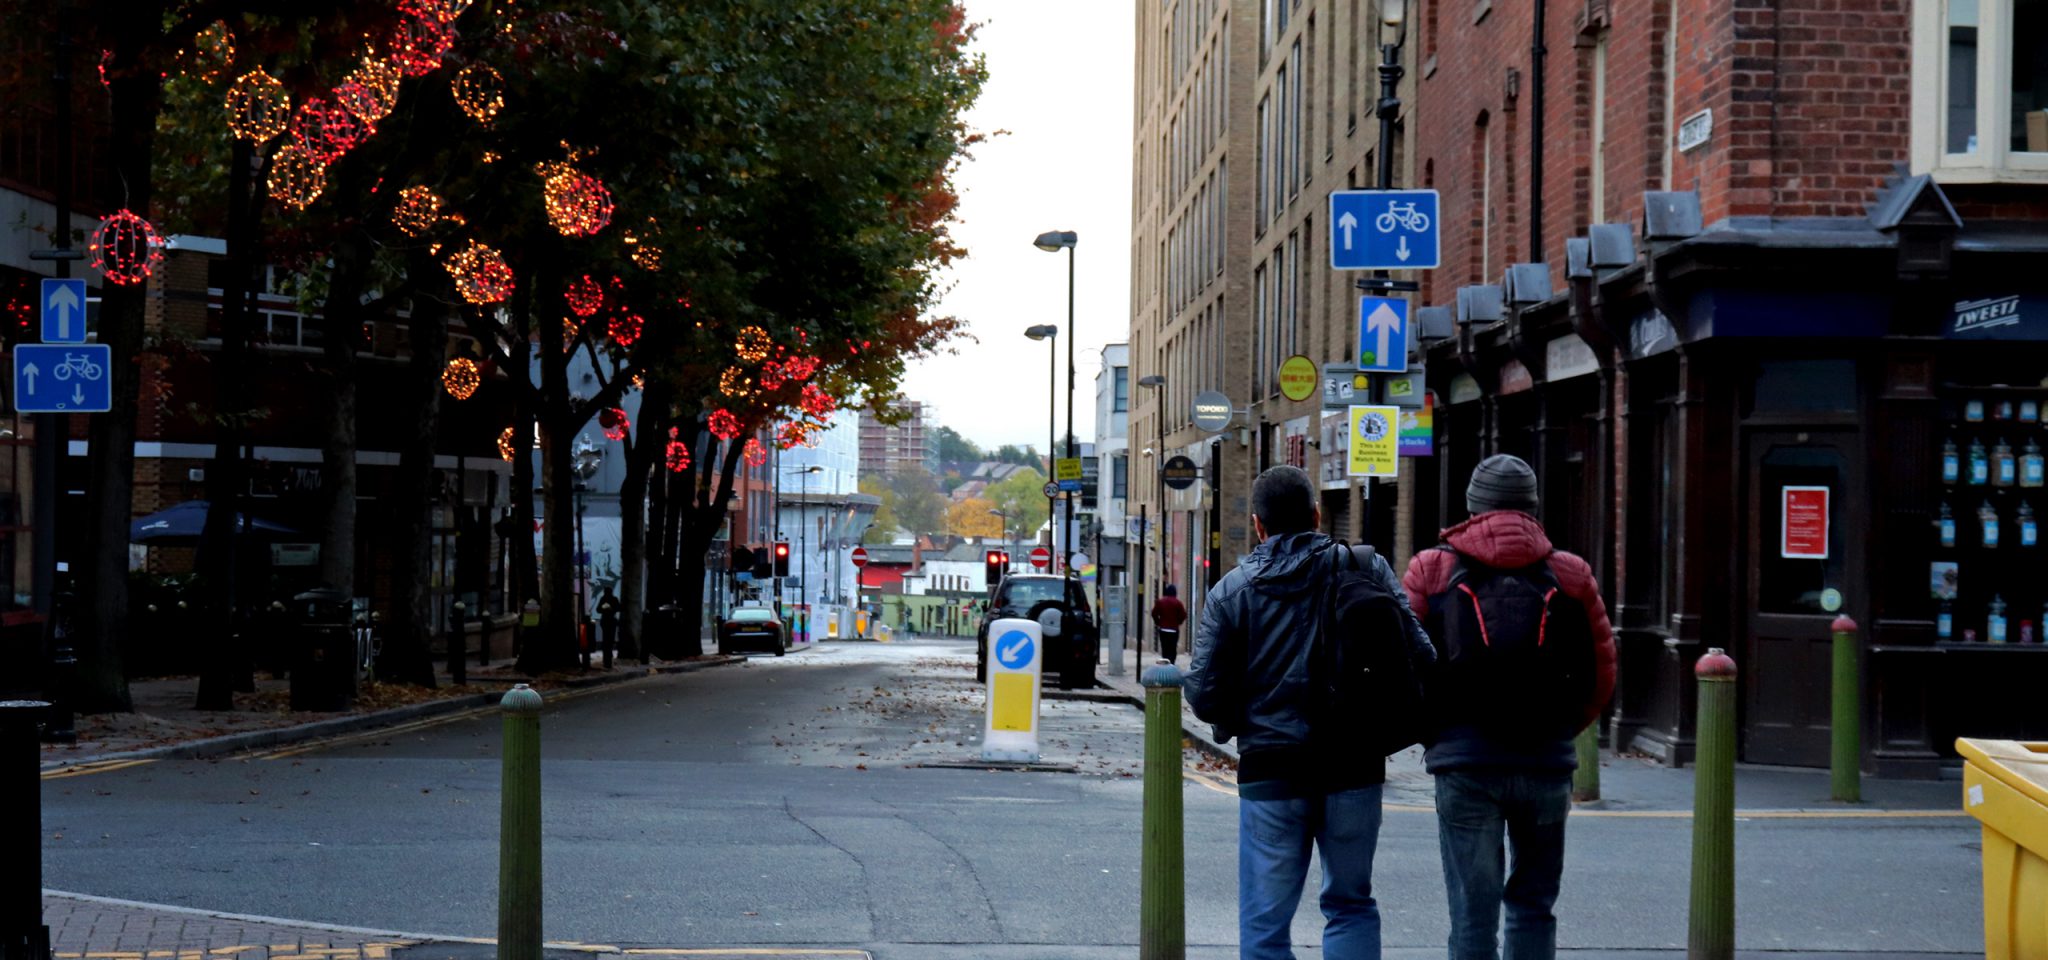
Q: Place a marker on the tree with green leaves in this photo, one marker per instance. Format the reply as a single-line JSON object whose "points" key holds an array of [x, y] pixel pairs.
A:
{"points": [[1021, 497]]}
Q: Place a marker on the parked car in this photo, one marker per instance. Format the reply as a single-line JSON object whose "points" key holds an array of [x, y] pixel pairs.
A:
{"points": [[753, 628], [1073, 652]]}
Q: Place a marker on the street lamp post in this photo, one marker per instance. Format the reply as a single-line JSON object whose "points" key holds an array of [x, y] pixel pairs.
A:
{"points": [[1157, 384], [1049, 332], [1392, 14], [587, 459], [1053, 241], [803, 533]]}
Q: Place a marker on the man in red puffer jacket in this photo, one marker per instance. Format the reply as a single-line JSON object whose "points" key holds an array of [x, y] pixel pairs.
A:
{"points": [[1525, 661]]}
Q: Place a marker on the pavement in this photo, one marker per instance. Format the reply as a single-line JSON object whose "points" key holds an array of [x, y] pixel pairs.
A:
{"points": [[817, 805]]}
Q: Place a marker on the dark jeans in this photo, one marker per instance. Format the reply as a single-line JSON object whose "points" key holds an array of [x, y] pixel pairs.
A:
{"points": [[1169, 642], [1274, 838], [1473, 809]]}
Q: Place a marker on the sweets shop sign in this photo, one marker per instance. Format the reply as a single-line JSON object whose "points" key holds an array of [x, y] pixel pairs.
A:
{"points": [[2010, 317]]}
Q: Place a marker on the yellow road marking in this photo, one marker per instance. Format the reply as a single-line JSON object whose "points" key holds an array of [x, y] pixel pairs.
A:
{"points": [[87, 769], [743, 952], [412, 726]]}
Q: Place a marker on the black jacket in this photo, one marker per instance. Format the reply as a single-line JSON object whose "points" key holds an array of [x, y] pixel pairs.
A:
{"points": [[1249, 675]]}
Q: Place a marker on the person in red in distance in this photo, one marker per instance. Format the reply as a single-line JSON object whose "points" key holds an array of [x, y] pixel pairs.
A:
{"points": [[1525, 660], [1168, 615]]}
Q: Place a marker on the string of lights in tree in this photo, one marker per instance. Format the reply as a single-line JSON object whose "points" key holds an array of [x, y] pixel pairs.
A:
{"points": [[327, 130], [258, 106], [723, 424], [754, 453], [212, 53], [577, 203], [771, 376], [572, 333], [418, 41], [614, 422], [799, 367], [126, 248], [440, 11], [735, 383], [417, 210], [370, 91], [817, 403], [461, 378], [480, 273], [626, 328], [753, 344], [480, 92], [646, 255], [794, 434], [678, 453], [296, 176], [585, 296], [506, 451]]}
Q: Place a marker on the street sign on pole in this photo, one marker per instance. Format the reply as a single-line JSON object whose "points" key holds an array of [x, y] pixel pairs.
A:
{"points": [[1180, 473], [1384, 230], [1066, 471], [1298, 378], [1051, 489], [860, 557], [1041, 558], [63, 378], [63, 310], [1375, 442], [1344, 385], [1382, 335], [1212, 412]]}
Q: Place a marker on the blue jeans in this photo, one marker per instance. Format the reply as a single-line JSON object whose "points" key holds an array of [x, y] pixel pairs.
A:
{"points": [[1273, 842], [1472, 810]]}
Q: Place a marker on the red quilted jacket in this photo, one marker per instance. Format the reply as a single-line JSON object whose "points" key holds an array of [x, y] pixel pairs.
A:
{"points": [[1509, 540]]}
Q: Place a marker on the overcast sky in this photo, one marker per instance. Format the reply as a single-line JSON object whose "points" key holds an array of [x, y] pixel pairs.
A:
{"points": [[1059, 85]]}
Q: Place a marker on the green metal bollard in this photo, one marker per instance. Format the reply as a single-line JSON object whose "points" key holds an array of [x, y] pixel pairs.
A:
{"points": [[519, 900], [1162, 913], [1845, 760], [1586, 779], [1711, 924]]}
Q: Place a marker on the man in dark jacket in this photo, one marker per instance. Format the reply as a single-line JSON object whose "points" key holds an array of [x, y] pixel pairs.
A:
{"points": [[1497, 774], [1168, 614], [1250, 677]]}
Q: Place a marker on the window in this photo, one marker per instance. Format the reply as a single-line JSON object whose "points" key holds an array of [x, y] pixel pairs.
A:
{"points": [[1283, 134], [1599, 108], [1266, 31], [1351, 75], [1264, 161], [1262, 347], [1980, 96], [1292, 278], [1294, 122], [1120, 397]]}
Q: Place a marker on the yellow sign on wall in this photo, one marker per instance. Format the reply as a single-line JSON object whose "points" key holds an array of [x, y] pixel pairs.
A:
{"points": [[1375, 442], [1299, 378], [1066, 469]]}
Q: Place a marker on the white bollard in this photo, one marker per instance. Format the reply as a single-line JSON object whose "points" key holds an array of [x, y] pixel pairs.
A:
{"points": [[1016, 655]]}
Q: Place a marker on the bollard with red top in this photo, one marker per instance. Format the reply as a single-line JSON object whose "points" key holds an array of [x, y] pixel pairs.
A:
{"points": [[1710, 933], [1845, 759]]}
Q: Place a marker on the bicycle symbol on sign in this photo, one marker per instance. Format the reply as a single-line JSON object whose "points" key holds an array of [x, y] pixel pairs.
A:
{"points": [[1403, 215], [81, 365]]}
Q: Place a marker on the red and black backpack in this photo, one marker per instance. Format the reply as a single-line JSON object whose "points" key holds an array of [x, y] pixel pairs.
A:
{"points": [[1514, 651]]}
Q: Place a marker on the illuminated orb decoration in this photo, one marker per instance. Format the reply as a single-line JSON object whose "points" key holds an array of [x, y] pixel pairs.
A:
{"points": [[211, 54], [506, 451], [799, 368], [481, 274], [418, 209], [753, 344], [572, 334], [440, 11], [479, 91], [794, 434], [578, 204], [626, 329], [585, 296], [678, 456], [258, 107], [646, 255], [126, 248], [754, 453], [297, 177], [723, 424], [735, 383], [772, 376], [461, 378], [370, 91], [639, 382], [614, 422], [817, 402], [327, 130], [417, 43]]}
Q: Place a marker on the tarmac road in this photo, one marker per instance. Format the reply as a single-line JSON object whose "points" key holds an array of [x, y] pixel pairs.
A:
{"points": [[782, 804]]}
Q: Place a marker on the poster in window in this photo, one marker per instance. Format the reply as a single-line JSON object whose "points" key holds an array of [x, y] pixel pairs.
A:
{"points": [[1805, 526]]}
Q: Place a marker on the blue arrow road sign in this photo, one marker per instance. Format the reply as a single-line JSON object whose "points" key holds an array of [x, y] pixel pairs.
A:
{"points": [[1382, 335], [63, 311], [1013, 651], [60, 378], [1384, 230]]}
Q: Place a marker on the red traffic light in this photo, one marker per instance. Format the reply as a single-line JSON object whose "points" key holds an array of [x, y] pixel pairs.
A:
{"points": [[782, 549]]}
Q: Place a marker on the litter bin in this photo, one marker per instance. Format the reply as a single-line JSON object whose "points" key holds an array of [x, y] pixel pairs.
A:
{"points": [[2005, 786], [323, 656]]}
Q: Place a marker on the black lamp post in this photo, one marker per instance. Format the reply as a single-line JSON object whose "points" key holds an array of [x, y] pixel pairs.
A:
{"points": [[1049, 332], [1053, 241], [803, 532], [1157, 383]]}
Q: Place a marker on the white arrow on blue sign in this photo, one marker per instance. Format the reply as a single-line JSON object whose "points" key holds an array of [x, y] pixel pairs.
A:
{"points": [[62, 378], [1382, 335], [1384, 230], [63, 311]]}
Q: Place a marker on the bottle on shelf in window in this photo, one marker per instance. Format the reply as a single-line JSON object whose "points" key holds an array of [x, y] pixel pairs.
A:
{"points": [[2003, 411], [1945, 620], [1973, 411], [2030, 411], [1980, 463], [1947, 523], [1988, 514], [1994, 624], [2032, 473], [2029, 534], [1951, 461], [2004, 469], [2026, 631]]}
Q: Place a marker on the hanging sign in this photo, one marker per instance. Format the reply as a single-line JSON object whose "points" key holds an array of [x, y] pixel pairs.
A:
{"points": [[1805, 525], [1418, 428], [1298, 376]]}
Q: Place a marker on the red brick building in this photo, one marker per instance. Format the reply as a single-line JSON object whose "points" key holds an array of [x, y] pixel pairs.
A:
{"points": [[1703, 257]]}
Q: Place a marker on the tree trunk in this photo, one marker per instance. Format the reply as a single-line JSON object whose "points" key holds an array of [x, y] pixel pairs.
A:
{"points": [[136, 97], [220, 541], [558, 609], [646, 456], [408, 635], [341, 330], [702, 514]]}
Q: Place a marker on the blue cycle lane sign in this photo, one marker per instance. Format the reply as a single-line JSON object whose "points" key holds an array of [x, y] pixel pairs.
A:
{"points": [[1384, 230], [1013, 650], [63, 310], [63, 378]]}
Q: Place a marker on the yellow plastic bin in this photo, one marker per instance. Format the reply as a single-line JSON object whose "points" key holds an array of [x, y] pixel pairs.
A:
{"points": [[2005, 786]]}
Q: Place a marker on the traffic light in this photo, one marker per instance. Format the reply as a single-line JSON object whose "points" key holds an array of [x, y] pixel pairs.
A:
{"points": [[782, 558], [997, 562], [760, 565]]}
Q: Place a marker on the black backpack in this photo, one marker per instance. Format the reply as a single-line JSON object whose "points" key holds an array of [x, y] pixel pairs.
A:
{"points": [[1364, 683], [1514, 651]]}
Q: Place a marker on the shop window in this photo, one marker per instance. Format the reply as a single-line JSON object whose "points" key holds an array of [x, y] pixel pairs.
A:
{"points": [[1794, 584], [1984, 115], [1805, 386]]}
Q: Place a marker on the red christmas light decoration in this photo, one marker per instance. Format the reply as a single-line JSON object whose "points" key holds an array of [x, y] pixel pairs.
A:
{"points": [[479, 91], [417, 210], [297, 176], [126, 248], [817, 402], [328, 130], [212, 53], [258, 107], [793, 434], [771, 376], [577, 203], [678, 456], [735, 383], [461, 378], [505, 449], [481, 274], [626, 328], [799, 368], [417, 43], [614, 422], [585, 296], [752, 344], [754, 453], [723, 424], [440, 11]]}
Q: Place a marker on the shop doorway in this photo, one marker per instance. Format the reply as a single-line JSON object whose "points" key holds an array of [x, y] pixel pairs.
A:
{"points": [[1804, 555]]}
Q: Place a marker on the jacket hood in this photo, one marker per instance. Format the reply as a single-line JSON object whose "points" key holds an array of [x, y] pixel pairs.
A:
{"points": [[1503, 539], [1285, 563]]}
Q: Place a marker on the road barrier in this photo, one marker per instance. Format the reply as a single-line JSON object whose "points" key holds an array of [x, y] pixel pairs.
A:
{"points": [[2005, 786], [1845, 758], [1586, 779], [22, 934], [1162, 910], [1710, 931], [519, 897]]}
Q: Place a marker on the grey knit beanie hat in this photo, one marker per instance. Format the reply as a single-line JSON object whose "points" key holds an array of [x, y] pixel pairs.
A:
{"points": [[1501, 482]]}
